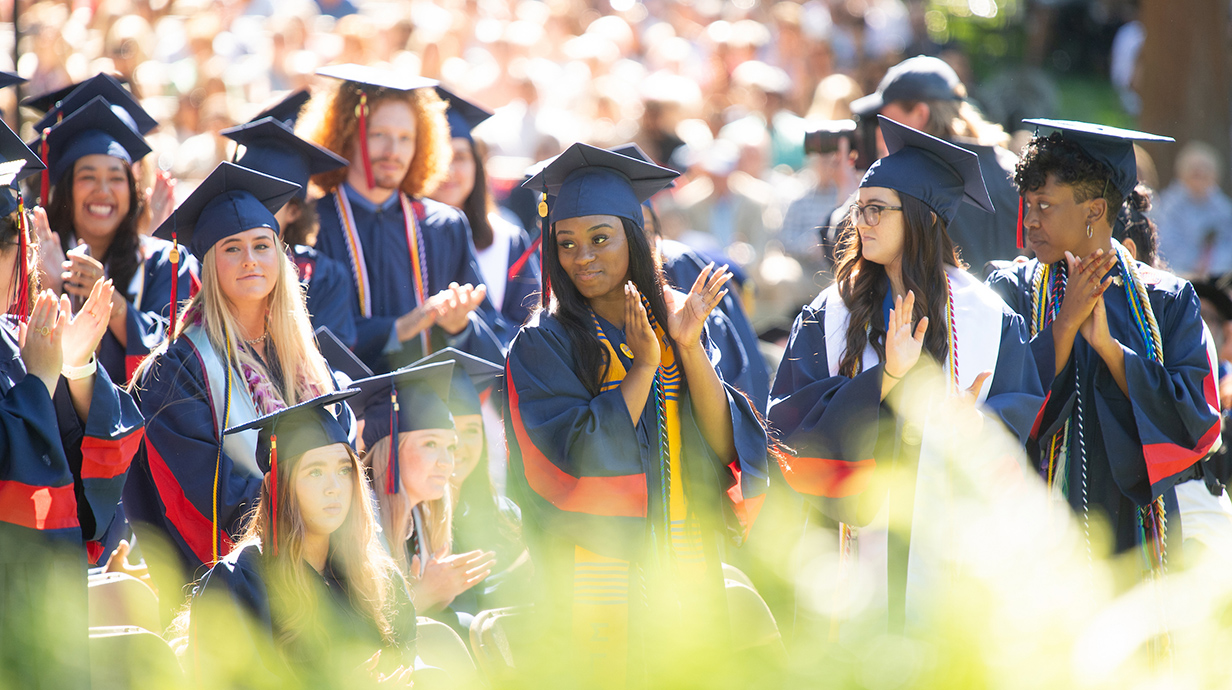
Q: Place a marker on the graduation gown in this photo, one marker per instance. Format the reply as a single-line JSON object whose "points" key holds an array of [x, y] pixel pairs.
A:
{"points": [[1136, 447], [327, 285], [149, 306], [843, 433], [730, 330], [236, 621], [60, 480], [587, 477], [521, 271], [449, 257]]}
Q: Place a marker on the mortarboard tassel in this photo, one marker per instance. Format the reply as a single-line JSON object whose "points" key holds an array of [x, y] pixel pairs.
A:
{"points": [[393, 476], [274, 490], [361, 111], [543, 232], [1019, 237], [175, 293], [45, 178], [21, 305]]}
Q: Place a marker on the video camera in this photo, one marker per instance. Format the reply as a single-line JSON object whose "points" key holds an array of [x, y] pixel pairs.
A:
{"points": [[823, 136]]}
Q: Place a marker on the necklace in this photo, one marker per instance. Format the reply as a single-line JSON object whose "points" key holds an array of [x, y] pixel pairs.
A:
{"points": [[259, 339]]}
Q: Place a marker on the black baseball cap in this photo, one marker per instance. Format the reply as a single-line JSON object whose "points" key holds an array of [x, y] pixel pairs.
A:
{"points": [[920, 78]]}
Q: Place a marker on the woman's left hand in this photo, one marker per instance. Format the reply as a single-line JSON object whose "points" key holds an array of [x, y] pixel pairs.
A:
{"points": [[689, 315], [85, 329], [81, 274]]}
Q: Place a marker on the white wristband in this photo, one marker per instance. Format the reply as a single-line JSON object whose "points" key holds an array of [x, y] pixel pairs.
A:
{"points": [[77, 373]]}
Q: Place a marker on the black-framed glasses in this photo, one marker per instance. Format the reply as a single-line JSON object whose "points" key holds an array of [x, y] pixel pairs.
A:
{"points": [[871, 212]]}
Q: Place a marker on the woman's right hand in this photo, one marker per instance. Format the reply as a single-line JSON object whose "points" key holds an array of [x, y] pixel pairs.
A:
{"points": [[50, 253], [903, 343], [41, 347], [447, 576], [638, 333]]}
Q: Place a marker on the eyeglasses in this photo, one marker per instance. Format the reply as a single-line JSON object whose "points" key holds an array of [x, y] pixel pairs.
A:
{"points": [[871, 212]]}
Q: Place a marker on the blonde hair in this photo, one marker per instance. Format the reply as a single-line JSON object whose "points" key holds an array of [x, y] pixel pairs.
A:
{"points": [[330, 120], [355, 551], [948, 119], [395, 511], [304, 372]]}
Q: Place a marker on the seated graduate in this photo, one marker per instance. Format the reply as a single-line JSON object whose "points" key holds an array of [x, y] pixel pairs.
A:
{"points": [[242, 348], [271, 147], [627, 450], [91, 224], [483, 520], [1120, 346], [69, 435], [308, 596], [411, 478], [508, 265], [900, 297]]}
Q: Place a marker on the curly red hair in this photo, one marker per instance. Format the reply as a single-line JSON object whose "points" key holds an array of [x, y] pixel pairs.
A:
{"points": [[329, 120]]}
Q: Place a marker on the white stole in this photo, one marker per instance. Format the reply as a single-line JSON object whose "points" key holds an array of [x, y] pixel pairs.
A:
{"points": [[978, 315], [240, 447]]}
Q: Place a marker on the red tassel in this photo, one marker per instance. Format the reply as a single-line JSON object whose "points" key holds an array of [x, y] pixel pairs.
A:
{"points": [[393, 476], [175, 293], [274, 491], [21, 305], [45, 187], [362, 112], [1019, 238]]}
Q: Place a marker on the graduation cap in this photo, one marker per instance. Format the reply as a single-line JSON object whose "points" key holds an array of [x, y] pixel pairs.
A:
{"points": [[94, 128], [272, 148], [291, 432], [79, 95], [46, 101], [8, 79], [370, 78], [286, 110], [413, 398], [592, 181], [471, 374], [339, 356], [936, 172], [1111, 146], [463, 115], [634, 151], [231, 200]]}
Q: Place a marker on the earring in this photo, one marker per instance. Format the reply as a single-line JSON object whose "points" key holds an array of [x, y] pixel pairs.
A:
{"points": [[1088, 231]]}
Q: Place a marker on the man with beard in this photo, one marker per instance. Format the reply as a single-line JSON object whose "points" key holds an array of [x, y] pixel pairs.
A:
{"points": [[415, 277]]}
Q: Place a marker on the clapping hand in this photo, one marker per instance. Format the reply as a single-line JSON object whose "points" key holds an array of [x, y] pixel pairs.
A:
{"points": [[903, 343], [85, 330], [41, 337], [690, 314], [639, 334]]}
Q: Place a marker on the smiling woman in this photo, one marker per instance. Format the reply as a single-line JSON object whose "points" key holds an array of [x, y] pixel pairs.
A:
{"points": [[243, 347]]}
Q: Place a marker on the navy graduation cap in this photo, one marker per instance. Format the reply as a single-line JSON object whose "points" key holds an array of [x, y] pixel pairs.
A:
{"points": [[289, 433], [367, 79], [463, 115], [272, 148], [634, 151], [339, 357], [471, 374], [413, 398], [44, 102], [590, 181], [79, 95], [8, 79], [936, 172], [231, 200], [286, 110], [1111, 146], [94, 128]]}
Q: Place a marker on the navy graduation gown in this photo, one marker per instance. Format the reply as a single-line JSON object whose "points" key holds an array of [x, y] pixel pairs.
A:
{"points": [[149, 308], [326, 282], [449, 257], [732, 333], [236, 619], [60, 481], [1135, 446], [523, 281]]}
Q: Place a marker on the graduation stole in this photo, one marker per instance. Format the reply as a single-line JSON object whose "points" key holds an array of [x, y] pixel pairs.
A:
{"points": [[1152, 520], [414, 243]]}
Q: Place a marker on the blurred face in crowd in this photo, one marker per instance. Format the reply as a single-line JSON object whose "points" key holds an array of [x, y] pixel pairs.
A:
{"points": [[324, 483], [1199, 175], [391, 146], [470, 445], [594, 252], [426, 460], [100, 196], [1054, 222], [912, 115], [881, 243], [247, 265], [461, 181]]}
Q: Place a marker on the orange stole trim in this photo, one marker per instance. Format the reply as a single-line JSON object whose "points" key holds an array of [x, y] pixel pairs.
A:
{"points": [[619, 496], [104, 458], [38, 507], [746, 510], [826, 477]]}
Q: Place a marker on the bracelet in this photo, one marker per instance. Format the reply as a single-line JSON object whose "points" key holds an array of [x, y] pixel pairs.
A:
{"points": [[886, 372], [77, 373]]}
